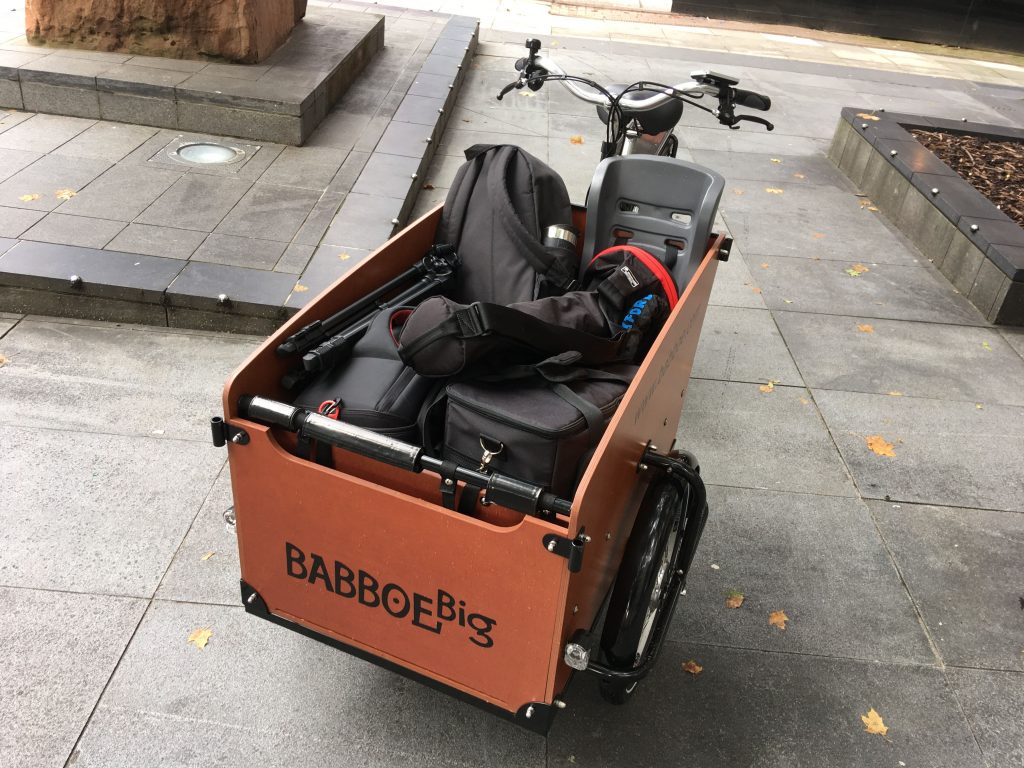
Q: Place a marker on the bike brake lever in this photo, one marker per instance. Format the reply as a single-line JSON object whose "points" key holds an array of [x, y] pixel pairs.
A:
{"points": [[509, 87], [752, 119]]}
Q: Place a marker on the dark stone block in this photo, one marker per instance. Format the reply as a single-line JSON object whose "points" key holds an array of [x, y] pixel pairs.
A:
{"points": [[450, 47], [109, 274], [388, 175], [1009, 258], [364, 221], [437, 64], [420, 109], [409, 139], [912, 157], [248, 291], [956, 198]]}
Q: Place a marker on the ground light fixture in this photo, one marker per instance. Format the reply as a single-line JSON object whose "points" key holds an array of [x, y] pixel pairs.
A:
{"points": [[208, 153]]}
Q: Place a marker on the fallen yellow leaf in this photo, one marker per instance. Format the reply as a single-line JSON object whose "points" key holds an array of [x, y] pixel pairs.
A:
{"points": [[861, 268], [776, 160], [207, 556], [979, 406], [764, 265], [986, 345], [299, 288], [799, 176], [200, 637], [864, 202], [866, 116], [755, 289], [344, 256], [734, 600], [896, 393], [769, 387], [3, 361], [737, 191], [804, 401], [856, 270], [873, 723], [577, 139], [778, 619], [773, 190], [28, 198], [65, 194], [872, 209], [866, 328], [692, 667], [818, 235], [788, 301], [880, 445]]}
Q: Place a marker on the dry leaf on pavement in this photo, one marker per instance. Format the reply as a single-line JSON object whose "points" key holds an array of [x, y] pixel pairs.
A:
{"points": [[856, 270], [200, 637], [769, 387], [873, 723], [734, 600], [799, 176], [344, 256], [207, 556], [895, 393], [880, 445], [764, 265], [776, 160], [986, 345], [778, 619], [299, 288], [866, 116], [428, 185], [818, 235], [773, 190], [65, 194], [692, 667], [577, 139], [28, 198], [3, 361], [866, 328]]}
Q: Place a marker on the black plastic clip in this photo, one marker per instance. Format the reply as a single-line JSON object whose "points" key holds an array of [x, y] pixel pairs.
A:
{"points": [[570, 549], [224, 432], [724, 249]]}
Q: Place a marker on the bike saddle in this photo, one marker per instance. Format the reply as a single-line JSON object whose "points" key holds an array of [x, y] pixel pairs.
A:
{"points": [[662, 118]]}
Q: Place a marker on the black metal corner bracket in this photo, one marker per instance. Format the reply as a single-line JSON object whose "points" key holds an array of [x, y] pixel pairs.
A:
{"points": [[223, 432], [570, 549], [725, 249]]}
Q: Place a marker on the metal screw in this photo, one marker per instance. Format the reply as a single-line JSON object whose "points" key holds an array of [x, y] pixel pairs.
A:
{"points": [[963, 119], [654, 448], [559, 703], [251, 599], [575, 609], [607, 537], [585, 538], [237, 438], [643, 467], [451, 85], [415, 175], [76, 281], [974, 227], [864, 126], [893, 153], [935, 191], [529, 712], [440, 111], [448, 481], [223, 299], [551, 545], [395, 222]]}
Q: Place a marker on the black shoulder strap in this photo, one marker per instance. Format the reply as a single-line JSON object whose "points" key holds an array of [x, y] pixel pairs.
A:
{"points": [[456, 204], [533, 250]]}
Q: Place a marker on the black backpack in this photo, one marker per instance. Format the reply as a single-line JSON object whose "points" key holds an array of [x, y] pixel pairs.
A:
{"points": [[497, 211]]}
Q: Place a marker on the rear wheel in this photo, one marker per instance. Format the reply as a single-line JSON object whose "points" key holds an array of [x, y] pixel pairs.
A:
{"points": [[641, 588]]}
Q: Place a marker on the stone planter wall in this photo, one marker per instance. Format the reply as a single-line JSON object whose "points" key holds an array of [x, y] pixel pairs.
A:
{"points": [[977, 247]]}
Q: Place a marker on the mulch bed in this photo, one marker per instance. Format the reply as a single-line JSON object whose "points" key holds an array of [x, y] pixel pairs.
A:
{"points": [[994, 167]]}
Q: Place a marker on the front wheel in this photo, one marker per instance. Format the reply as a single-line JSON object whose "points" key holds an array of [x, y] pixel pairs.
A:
{"points": [[641, 589]]}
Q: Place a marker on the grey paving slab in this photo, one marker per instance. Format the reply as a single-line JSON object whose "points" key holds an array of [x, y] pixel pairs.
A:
{"points": [[107, 141], [239, 251], [782, 169], [947, 362], [265, 714], [363, 221], [6, 323], [157, 241], [734, 285], [752, 439], [121, 193], [947, 452], [388, 175], [752, 141], [58, 650], [307, 167], [349, 172], [48, 176], [962, 567], [74, 230], [14, 221], [77, 100], [753, 708], [739, 344], [153, 383], [126, 522], [456, 140], [994, 705], [819, 559], [43, 133], [1014, 338], [270, 212], [295, 258], [14, 160], [205, 568], [327, 265], [893, 291], [405, 139], [196, 202], [319, 219], [12, 117], [251, 291], [810, 221]]}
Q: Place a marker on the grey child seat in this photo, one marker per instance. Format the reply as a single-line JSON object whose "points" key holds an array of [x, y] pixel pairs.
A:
{"points": [[663, 205]]}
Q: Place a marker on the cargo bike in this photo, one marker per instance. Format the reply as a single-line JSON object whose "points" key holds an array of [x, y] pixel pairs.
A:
{"points": [[503, 606]]}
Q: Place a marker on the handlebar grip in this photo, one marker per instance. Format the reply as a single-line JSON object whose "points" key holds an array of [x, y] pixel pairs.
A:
{"points": [[751, 100], [506, 89]]}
